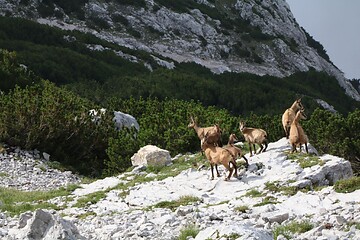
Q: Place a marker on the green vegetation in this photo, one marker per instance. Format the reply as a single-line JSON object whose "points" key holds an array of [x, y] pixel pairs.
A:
{"points": [[356, 224], [91, 198], [16, 202], [182, 201], [241, 209], [254, 193], [278, 187], [306, 160], [347, 185], [87, 214], [291, 228], [267, 200], [188, 231]]}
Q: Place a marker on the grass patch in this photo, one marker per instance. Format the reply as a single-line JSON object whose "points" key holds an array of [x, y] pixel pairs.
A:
{"points": [[91, 198], [291, 228], [267, 200], [4, 174], [241, 209], [347, 185], [217, 204], [232, 236], [188, 231], [172, 205], [85, 215], [254, 193], [276, 187], [16, 201], [356, 224], [305, 160]]}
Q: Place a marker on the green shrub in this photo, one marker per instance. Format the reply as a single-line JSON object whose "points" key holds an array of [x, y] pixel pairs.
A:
{"points": [[56, 121]]}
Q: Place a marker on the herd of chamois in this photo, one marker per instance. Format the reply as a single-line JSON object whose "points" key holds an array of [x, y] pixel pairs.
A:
{"points": [[216, 153]]}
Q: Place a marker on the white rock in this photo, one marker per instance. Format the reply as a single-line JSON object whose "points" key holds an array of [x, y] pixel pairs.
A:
{"points": [[151, 155]]}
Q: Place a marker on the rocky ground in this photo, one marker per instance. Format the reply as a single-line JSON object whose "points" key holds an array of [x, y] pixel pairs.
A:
{"points": [[274, 192]]}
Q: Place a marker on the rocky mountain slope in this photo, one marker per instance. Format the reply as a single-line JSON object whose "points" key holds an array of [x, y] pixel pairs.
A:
{"points": [[260, 37], [276, 191]]}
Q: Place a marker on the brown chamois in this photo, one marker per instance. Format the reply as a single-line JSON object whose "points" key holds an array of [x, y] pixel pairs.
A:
{"points": [[217, 155], [235, 151], [297, 135], [289, 115], [214, 132], [254, 135]]}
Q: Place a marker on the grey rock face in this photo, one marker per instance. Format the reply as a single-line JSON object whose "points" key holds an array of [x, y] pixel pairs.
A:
{"points": [[197, 37], [44, 225]]}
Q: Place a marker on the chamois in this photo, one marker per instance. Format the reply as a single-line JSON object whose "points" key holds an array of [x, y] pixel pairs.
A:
{"points": [[214, 132], [289, 115], [217, 155], [254, 135], [297, 135], [235, 151]]}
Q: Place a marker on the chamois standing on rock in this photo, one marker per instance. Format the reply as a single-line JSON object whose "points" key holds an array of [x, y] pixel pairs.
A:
{"points": [[297, 134], [254, 135], [235, 151], [213, 133], [217, 155], [289, 115]]}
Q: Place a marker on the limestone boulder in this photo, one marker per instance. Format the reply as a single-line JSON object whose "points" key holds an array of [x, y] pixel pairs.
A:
{"points": [[151, 155]]}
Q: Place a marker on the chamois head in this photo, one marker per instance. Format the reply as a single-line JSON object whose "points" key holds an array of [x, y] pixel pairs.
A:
{"points": [[203, 142], [301, 114], [242, 125], [232, 138], [297, 104], [192, 122]]}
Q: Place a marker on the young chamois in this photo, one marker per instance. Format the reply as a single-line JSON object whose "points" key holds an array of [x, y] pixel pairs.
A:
{"points": [[217, 155], [297, 135], [235, 151], [254, 135], [289, 115], [214, 132]]}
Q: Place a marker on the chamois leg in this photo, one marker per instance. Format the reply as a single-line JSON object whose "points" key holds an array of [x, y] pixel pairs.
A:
{"points": [[217, 171], [235, 168], [266, 145], [250, 150], [247, 162], [261, 148], [293, 148], [212, 171], [227, 166], [306, 148]]}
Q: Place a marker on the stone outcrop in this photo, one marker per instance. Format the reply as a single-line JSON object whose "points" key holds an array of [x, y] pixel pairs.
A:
{"points": [[46, 226]]}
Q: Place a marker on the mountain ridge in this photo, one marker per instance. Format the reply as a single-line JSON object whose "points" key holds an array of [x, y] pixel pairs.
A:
{"points": [[239, 36]]}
